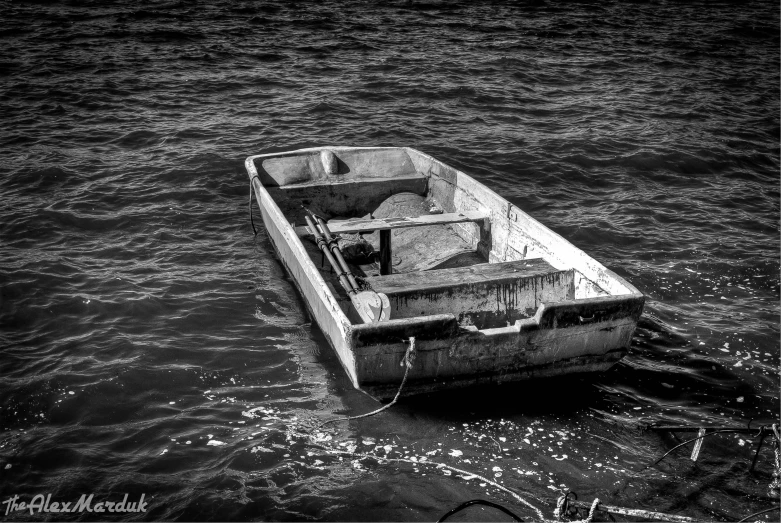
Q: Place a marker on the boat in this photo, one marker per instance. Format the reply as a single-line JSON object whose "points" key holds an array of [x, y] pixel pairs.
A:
{"points": [[401, 258]]}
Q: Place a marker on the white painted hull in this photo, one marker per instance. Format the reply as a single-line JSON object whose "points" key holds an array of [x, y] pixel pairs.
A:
{"points": [[588, 333]]}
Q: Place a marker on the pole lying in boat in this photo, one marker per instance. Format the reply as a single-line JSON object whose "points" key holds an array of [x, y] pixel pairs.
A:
{"points": [[371, 306], [336, 251], [322, 244]]}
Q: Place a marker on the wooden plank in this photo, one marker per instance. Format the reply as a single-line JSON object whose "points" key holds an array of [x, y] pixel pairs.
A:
{"points": [[428, 281], [386, 224], [488, 295]]}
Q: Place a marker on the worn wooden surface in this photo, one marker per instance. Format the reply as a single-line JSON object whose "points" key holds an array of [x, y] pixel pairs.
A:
{"points": [[384, 224], [494, 355], [432, 281], [385, 389], [484, 295]]}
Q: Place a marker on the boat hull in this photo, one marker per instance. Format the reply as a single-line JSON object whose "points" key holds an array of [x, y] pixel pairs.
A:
{"points": [[588, 333]]}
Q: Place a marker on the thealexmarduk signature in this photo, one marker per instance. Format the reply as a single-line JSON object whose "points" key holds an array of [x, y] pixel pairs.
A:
{"points": [[41, 503]]}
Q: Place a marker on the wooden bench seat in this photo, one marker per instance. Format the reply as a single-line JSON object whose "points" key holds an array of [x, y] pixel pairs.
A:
{"points": [[484, 295], [386, 224]]}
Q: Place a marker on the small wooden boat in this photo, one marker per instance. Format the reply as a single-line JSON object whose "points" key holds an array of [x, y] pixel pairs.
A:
{"points": [[488, 293]]}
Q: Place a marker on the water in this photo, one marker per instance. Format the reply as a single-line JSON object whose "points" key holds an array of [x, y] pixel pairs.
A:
{"points": [[141, 318]]}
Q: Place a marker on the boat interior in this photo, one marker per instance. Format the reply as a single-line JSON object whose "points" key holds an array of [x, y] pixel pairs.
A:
{"points": [[410, 229]]}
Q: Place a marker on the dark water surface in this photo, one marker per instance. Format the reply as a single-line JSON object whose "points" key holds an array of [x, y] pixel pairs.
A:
{"points": [[151, 344]]}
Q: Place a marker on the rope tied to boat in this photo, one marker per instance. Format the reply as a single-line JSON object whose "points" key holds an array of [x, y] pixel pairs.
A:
{"points": [[251, 219], [775, 484], [562, 505], [591, 512], [407, 361], [566, 507], [563, 509]]}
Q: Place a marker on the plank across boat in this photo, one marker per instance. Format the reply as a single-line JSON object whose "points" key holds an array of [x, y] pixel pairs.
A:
{"points": [[488, 293]]}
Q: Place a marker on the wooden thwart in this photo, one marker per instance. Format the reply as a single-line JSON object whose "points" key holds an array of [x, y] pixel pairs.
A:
{"points": [[485, 295], [446, 279], [386, 224]]}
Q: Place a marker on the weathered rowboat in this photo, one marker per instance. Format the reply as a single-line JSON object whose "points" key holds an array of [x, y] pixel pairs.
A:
{"points": [[488, 293]]}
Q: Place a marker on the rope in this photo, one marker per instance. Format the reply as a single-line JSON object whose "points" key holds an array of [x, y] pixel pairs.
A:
{"points": [[494, 484], [408, 360], [563, 505], [775, 484], [251, 220], [590, 516], [466, 473]]}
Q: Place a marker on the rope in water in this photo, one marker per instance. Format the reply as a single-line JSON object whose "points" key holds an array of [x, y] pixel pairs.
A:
{"points": [[563, 505], [439, 465], [775, 484], [472, 475], [591, 511], [407, 361]]}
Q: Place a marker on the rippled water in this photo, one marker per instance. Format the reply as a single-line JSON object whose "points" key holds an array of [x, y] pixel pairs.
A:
{"points": [[151, 344]]}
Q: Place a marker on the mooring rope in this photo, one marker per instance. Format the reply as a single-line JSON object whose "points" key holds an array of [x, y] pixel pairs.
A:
{"points": [[466, 474], [407, 361], [593, 509], [775, 484], [563, 505], [251, 220]]}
